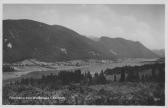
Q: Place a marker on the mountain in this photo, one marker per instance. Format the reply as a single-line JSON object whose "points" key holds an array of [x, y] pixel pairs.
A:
{"points": [[159, 52], [28, 39], [126, 49], [25, 39]]}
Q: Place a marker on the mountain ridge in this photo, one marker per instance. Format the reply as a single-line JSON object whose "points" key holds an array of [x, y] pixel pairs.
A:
{"points": [[127, 48], [159, 52], [25, 39]]}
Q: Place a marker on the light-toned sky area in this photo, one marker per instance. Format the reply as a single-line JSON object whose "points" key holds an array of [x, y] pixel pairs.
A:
{"points": [[138, 22]]}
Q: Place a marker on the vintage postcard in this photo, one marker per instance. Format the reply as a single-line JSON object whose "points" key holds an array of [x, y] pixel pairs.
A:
{"points": [[83, 54]]}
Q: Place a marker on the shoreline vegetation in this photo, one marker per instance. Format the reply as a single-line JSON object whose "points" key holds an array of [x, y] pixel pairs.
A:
{"points": [[127, 85]]}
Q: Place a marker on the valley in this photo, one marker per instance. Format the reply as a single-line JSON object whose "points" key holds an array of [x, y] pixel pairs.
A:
{"points": [[98, 83], [54, 65], [33, 68]]}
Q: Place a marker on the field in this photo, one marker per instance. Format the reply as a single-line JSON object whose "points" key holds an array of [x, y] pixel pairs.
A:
{"points": [[110, 94]]}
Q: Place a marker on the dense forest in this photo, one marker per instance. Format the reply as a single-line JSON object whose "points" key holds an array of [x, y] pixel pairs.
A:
{"points": [[156, 72]]}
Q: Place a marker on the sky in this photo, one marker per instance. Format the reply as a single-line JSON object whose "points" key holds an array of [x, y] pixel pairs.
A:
{"points": [[137, 22]]}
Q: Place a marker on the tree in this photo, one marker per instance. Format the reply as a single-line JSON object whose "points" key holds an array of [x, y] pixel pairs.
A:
{"points": [[102, 79], [154, 74], [122, 76], [143, 78], [161, 76], [77, 75], [132, 76], [115, 79], [89, 77], [95, 78]]}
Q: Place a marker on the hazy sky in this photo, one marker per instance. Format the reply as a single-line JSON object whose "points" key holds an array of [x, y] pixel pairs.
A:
{"points": [[138, 22]]}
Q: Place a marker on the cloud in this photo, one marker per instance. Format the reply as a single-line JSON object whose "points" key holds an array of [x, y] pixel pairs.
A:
{"points": [[102, 21]]}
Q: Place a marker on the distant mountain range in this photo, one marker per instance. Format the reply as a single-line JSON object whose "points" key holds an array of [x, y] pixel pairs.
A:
{"points": [[126, 48], [159, 52], [26, 39]]}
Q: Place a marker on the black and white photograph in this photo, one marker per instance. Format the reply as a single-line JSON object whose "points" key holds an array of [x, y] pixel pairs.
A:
{"points": [[83, 54]]}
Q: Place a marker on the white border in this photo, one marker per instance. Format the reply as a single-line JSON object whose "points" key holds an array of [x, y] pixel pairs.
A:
{"points": [[87, 2], [166, 54]]}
